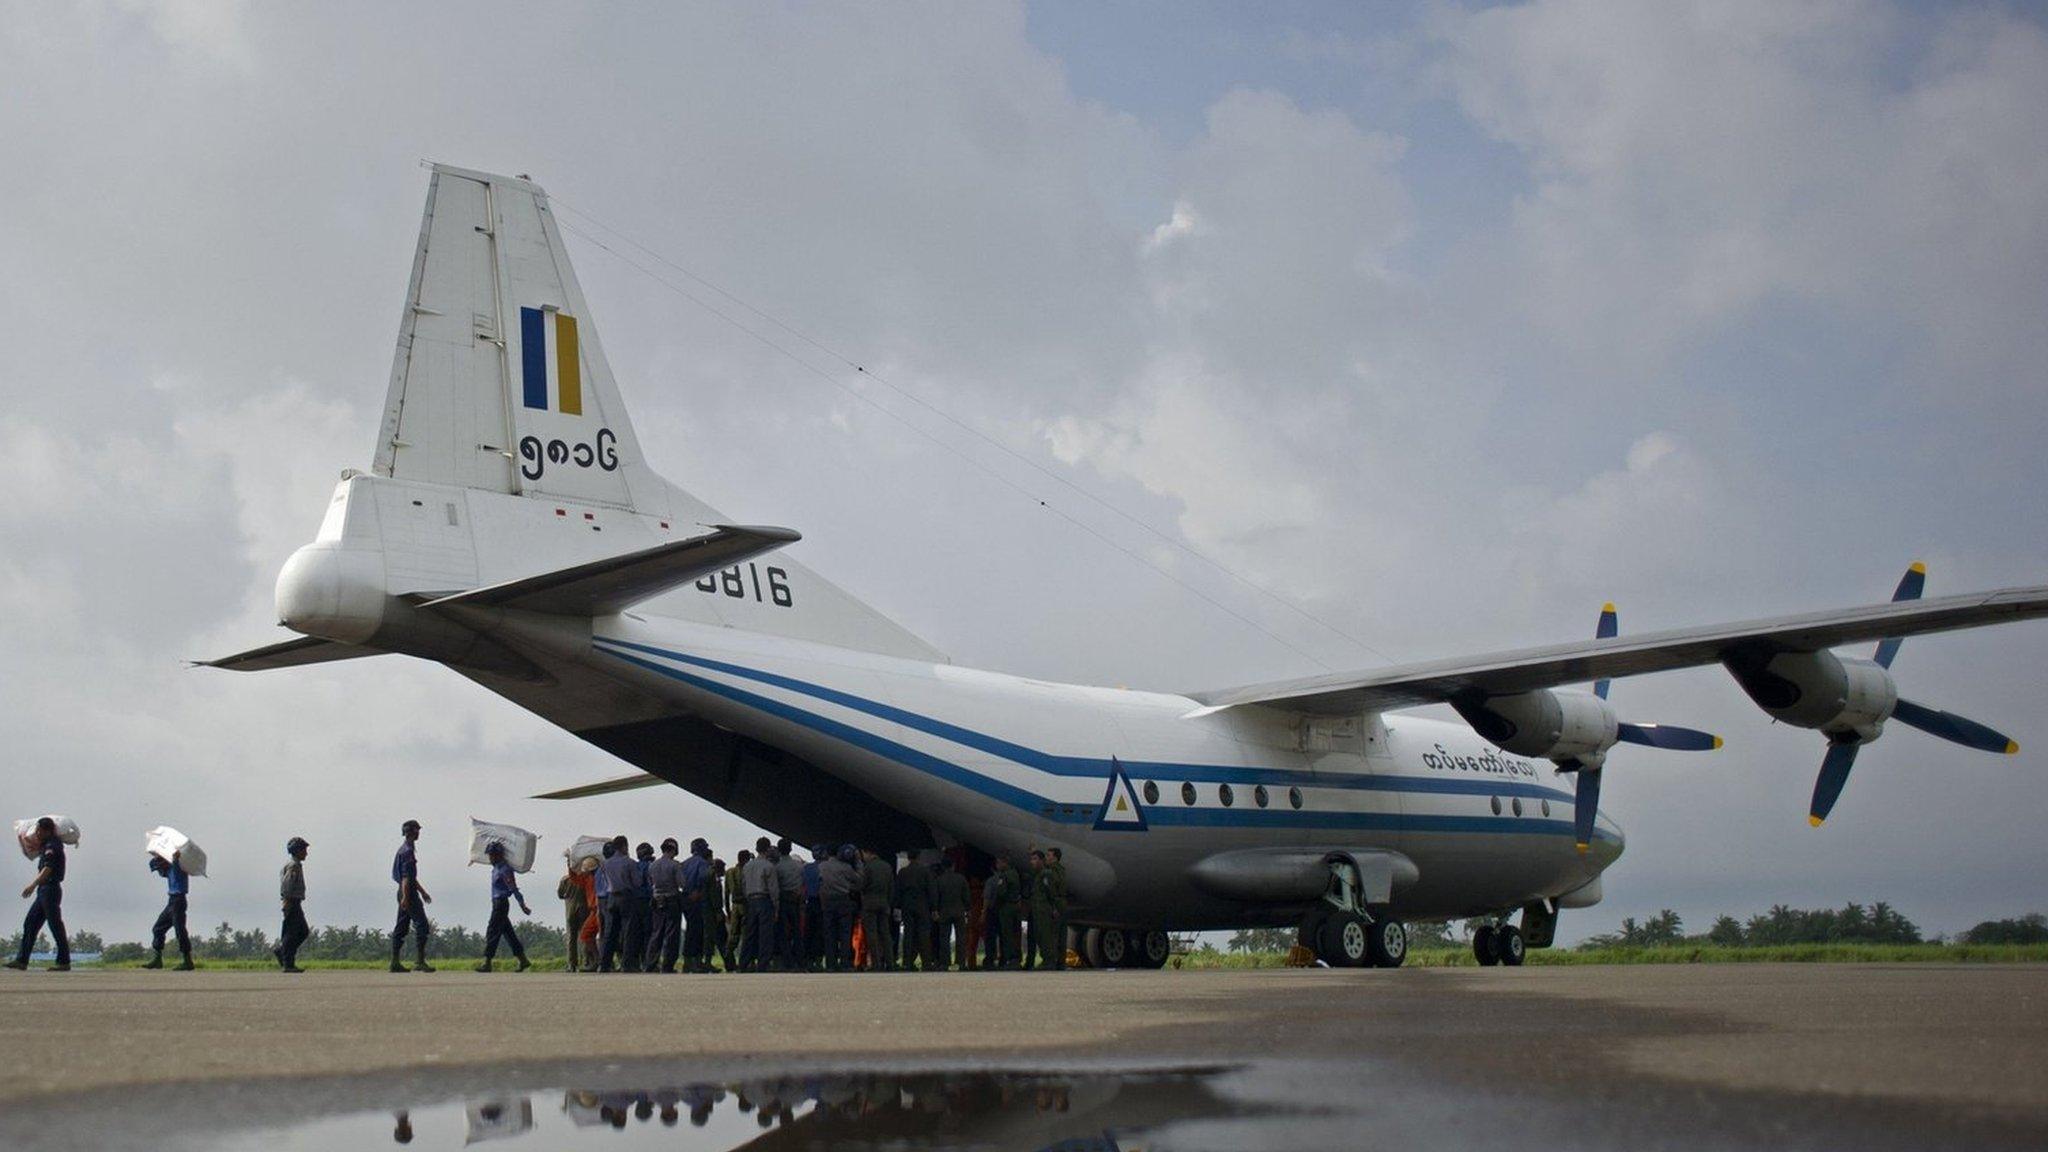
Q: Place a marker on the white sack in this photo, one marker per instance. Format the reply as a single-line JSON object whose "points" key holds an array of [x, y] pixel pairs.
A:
{"points": [[585, 848], [167, 842], [520, 845], [67, 831]]}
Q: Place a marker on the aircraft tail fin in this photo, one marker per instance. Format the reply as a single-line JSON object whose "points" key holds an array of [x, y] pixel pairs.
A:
{"points": [[499, 382]]}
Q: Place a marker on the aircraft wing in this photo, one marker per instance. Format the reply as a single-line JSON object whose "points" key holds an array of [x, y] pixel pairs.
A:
{"points": [[604, 787], [1527, 669], [289, 654], [601, 587]]}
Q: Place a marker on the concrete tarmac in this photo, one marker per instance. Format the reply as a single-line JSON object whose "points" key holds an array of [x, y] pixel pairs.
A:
{"points": [[1935, 1051]]}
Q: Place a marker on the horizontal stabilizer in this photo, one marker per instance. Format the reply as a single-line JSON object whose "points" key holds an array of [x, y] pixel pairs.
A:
{"points": [[615, 583], [289, 654], [605, 787]]}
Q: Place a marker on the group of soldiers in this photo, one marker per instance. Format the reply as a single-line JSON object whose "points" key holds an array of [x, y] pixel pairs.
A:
{"points": [[632, 910], [847, 908]]}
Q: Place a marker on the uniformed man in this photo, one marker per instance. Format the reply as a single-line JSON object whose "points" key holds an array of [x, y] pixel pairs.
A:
{"points": [[643, 906], [1045, 895], [700, 897], [665, 882], [573, 890], [814, 908], [291, 894], [717, 912], [991, 919], [736, 912], [1055, 863], [504, 890], [760, 886], [1034, 864], [789, 905], [412, 901], [949, 916], [621, 885], [839, 902], [172, 918], [915, 895], [47, 890], [876, 905], [1009, 912]]}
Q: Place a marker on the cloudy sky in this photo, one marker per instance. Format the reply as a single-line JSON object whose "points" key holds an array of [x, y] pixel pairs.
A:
{"points": [[1443, 323]]}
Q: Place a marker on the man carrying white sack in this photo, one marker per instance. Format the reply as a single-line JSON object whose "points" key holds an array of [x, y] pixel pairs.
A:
{"points": [[47, 890], [504, 890], [172, 918]]}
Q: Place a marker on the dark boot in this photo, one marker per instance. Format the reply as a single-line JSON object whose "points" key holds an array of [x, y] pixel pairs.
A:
{"points": [[395, 965], [419, 963], [184, 965], [524, 964], [156, 961], [484, 967]]}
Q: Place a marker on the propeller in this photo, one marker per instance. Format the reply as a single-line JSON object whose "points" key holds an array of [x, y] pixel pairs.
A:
{"points": [[1586, 799], [1834, 767]]}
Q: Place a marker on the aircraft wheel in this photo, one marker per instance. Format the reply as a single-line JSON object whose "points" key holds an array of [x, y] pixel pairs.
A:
{"points": [[1089, 944], [1115, 948], [1386, 942], [1484, 948], [1154, 949], [1344, 943], [1508, 945]]}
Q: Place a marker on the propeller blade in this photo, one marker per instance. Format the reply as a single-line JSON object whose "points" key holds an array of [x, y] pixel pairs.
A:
{"points": [[1834, 772], [1910, 587], [1586, 807], [1953, 728], [1669, 737], [1608, 628]]}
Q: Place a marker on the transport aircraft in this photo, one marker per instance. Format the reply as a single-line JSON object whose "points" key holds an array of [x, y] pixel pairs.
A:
{"points": [[511, 529]]}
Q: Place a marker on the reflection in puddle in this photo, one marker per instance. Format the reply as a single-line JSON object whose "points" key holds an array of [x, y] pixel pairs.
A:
{"points": [[1025, 1111]]}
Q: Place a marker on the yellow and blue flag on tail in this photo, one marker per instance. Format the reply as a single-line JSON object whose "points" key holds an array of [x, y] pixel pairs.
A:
{"points": [[553, 377]]}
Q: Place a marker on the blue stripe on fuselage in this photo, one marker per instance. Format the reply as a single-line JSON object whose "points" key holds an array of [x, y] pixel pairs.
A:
{"points": [[1043, 807]]}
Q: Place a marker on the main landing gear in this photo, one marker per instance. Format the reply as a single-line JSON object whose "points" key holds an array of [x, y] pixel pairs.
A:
{"points": [[1124, 947], [1498, 944], [1343, 933]]}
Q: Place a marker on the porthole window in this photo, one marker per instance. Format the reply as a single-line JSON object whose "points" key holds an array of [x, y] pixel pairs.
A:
{"points": [[1259, 796], [1546, 807], [1518, 805], [1496, 805], [1224, 794], [1187, 793], [1151, 792], [1294, 797]]}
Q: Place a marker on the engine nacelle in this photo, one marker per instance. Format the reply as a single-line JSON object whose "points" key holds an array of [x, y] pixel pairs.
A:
{"points": [[1568, 727], [1819, 690]]}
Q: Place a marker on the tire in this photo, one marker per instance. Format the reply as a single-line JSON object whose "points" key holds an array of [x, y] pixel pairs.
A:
{"points": [[1484, 949], [1386, 943], [1345, 942], [1153, 949], [1090, 947], [1115, 948], [1508, 945]]}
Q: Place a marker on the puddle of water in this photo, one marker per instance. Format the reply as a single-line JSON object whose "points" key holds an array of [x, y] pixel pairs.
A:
{"points": [[1106, 1112]]}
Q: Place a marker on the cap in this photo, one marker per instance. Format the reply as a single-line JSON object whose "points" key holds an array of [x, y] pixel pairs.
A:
{"points": [[409, 826], [295, 844]]}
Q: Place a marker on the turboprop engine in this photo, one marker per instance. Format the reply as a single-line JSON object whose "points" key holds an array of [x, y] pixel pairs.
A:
{"points": [[1561, 726]]}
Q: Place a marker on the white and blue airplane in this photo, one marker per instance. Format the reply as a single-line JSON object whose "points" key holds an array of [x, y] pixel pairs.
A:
{"points": [[511, 530]]}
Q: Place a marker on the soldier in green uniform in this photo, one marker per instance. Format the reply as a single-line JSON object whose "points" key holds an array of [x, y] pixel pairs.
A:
{"points": [[735, 909], [1057, 867], [915, 895], [1050, 956], [949, 917], [877, 882], [1009, 912]]}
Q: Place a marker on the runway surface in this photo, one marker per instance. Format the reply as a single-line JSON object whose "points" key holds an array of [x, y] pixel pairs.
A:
{"points": [[1697, 1055]]}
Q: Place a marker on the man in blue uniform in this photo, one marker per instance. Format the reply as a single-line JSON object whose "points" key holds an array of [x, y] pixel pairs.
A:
{"points": [[759, 885], [172, 918], [665, 880], [47, 890], [504, 890], [412, 902], [643, 906], [698, 891], [621, 881], [291, 893]]}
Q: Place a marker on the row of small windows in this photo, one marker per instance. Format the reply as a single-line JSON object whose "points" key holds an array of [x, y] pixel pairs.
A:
{"points": [[1225, 795], [1518, 806]]}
